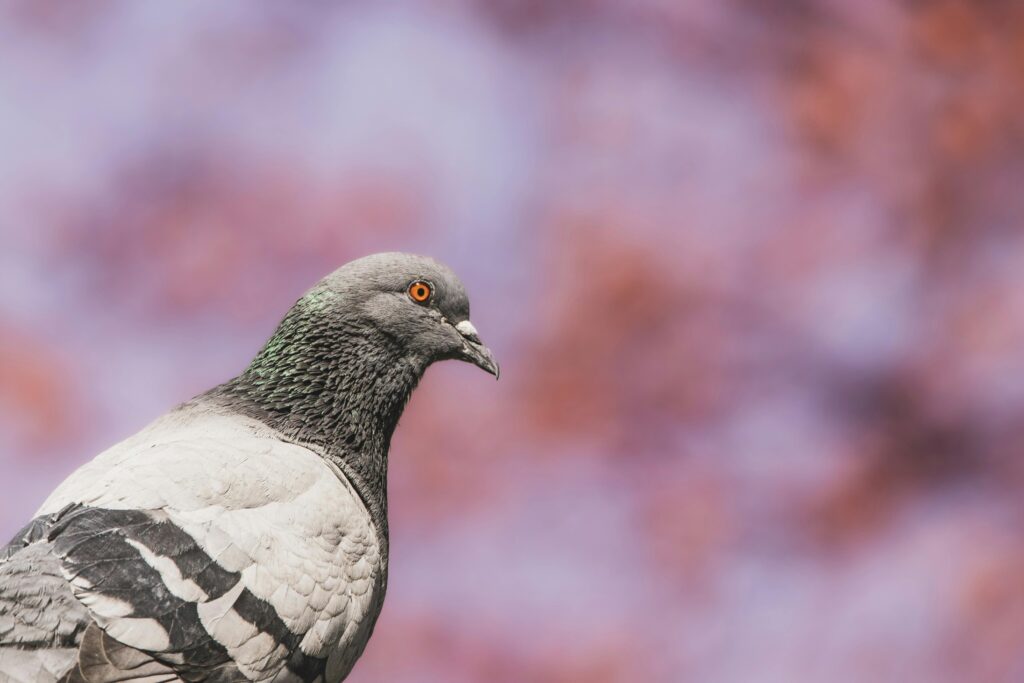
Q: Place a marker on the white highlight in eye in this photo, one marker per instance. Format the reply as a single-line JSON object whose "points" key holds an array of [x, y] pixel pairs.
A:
{"points": [[466, 329]]}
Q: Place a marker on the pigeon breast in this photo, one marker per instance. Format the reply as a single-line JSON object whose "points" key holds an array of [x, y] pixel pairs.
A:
{"points": [[257, 544]]}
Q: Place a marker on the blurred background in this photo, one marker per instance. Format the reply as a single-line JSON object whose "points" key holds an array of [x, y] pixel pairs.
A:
{"points": [[755, 277]]}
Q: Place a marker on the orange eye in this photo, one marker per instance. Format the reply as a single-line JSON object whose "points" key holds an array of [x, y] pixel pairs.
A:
{"points": [[420, 291]]}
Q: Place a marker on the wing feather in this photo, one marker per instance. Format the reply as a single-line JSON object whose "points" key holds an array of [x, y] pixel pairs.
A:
{"points": [[207, 547]]}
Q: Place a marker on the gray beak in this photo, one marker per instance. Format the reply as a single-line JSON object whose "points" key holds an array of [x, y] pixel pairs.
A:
{"points": [[473, 350]]}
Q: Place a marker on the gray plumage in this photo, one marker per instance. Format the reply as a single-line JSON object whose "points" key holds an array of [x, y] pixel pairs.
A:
{"points": [[243, 536]]}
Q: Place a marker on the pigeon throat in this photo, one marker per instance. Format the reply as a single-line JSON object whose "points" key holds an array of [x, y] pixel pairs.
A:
{"points": [[339, 388]]}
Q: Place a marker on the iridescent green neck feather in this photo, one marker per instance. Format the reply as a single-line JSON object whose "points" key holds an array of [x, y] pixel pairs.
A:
{"points": [[334, 383]]}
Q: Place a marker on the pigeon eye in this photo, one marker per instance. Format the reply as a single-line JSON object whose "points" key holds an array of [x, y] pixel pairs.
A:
{"points": [[420, 291]]}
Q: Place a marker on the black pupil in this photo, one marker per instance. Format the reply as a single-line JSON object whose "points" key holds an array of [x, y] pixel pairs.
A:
{"points": [[420, 292]]}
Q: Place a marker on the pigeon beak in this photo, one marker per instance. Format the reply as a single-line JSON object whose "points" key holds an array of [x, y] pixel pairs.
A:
{"points": [[473, 350]]}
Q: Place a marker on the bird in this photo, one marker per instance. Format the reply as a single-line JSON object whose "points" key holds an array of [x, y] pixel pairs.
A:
{"points": [[242, 536]]}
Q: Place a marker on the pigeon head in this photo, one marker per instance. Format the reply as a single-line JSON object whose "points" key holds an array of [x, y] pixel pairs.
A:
{"points": [[342, 364], [416, 302]]}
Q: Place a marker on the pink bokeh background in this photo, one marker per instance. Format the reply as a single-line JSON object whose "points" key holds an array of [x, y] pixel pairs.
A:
{"points": [[755, 277]]}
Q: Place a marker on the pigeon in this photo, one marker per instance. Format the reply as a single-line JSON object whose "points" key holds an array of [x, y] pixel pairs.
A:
{"points": [[243, 536]]}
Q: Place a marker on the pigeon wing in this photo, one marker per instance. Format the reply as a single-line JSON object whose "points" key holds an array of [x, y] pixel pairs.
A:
{"points": [[41, 622], [210, 554]]}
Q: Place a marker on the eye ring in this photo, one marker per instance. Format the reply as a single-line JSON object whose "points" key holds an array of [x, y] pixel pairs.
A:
{"points": [[420, 292]]}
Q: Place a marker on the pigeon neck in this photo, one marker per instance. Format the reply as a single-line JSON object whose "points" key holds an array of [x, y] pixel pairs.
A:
{"points": [[338, 387]]}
